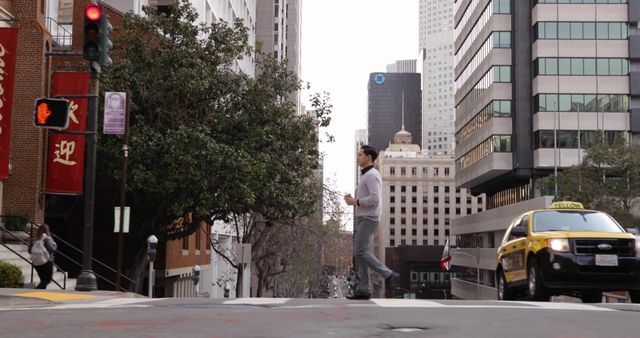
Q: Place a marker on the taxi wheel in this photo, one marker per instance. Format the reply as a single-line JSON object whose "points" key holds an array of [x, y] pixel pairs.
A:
{"points": [[591, 296], [635, 296], [504, 292], [535, 288]]}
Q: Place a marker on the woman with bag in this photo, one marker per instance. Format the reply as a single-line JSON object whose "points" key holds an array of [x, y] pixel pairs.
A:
{"points": [[42, 252]]}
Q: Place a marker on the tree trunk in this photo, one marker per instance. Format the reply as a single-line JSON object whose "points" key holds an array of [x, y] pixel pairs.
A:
{"points": [[260, 282]]}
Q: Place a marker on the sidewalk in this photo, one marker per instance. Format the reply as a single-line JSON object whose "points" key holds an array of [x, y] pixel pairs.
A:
{"points": [[38, 298]]}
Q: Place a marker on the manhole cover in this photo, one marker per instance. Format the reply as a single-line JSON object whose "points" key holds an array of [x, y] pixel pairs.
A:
{"points": [[407, 329]]}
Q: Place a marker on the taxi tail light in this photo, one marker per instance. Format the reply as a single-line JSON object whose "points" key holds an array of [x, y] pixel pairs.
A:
{"points": [[558, 244]]}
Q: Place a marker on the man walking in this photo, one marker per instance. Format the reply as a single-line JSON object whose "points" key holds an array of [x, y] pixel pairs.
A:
{"points": [[368, 203]]}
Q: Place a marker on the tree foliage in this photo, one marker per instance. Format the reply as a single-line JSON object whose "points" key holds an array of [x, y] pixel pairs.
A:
{"points": [[608, 179], [207, 142]]}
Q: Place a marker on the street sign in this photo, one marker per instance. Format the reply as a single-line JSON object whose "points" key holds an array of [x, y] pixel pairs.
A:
{"points": [[115, 108], [116, 218]]}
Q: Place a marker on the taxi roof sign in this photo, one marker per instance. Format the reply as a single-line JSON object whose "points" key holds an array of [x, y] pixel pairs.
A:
{"points": [[566, 205]]}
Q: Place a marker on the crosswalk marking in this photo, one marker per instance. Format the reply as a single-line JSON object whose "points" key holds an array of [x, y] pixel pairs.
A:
{"points": [[257, 301]]}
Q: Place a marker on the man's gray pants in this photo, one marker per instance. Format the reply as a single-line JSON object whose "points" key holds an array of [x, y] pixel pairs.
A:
{"points": [[365, 260]]}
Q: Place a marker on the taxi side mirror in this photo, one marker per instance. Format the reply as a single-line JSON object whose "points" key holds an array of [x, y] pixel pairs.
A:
{"points": [[633, 231], [518, 231]]}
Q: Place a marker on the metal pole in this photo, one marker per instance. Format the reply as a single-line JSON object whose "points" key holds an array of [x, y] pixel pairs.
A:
{"points": [[87, 279], [123, 195], [555, 150], [478, 272], [150, 279]]}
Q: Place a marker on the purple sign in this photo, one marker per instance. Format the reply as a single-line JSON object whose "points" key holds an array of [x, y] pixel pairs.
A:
{"points": [[115, 108]]}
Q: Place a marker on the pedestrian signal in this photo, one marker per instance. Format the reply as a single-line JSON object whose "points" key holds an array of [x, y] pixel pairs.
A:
{"points": [[51, 113]]}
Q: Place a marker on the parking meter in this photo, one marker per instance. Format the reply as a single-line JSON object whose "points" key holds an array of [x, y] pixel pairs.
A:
{"points": [[196, 274], [152, 244]]}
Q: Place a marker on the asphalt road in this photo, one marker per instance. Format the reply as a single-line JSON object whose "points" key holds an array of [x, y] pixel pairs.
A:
{"points": [[273, 317]]}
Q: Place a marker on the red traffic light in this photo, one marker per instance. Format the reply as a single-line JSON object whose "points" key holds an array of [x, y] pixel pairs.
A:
{"points": [[93, 12]]}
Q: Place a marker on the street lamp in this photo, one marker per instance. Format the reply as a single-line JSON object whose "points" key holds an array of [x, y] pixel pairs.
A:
{"points": [[196, 278], [152, 244], [477, 258]]}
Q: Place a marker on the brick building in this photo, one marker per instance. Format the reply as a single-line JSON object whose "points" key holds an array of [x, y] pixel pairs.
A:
{"points": [[44, 46]]}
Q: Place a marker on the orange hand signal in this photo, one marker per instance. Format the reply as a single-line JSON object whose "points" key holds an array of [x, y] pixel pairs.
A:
{"points": [[43, 113]]}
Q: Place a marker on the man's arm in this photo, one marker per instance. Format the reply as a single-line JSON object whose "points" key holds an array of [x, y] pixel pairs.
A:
{"points": [[371, 200]]}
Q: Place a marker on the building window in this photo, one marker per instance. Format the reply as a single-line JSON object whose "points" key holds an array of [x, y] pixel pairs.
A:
{"points": [[392, 242], [446, 171], [403, 242], [458, 200], [424, 171], [436, 200], [424, 221], [414, 210], [446, 211], [425, 199], [392, 210], [392, 221], [436, 211], [414, 221], [414, 232], [414, 188], [414, 171], [392, 188], [468, 211], [446, 188], [392, 232], [403, 171], [446, 232], [414, 199], [435, 172], [581, 30], [403, 188], [436, 232], [403, 232], [436, 221], [392, 171], [425, 232], [436, 189], [447, 221], [392, 199], [403, 221], [185, 243], [403, 199], [198, 239], [436, 242], [403, 210]]}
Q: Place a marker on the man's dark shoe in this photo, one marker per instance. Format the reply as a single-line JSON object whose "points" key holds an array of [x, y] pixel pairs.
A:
{"points": [[363, 296], [393, 280]]}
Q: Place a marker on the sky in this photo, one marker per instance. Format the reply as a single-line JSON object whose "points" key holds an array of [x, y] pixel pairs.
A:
{"points": [[342, 42]]}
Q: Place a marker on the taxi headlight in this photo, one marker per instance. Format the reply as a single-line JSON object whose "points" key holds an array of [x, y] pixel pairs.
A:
{"points": [[558, 244]]}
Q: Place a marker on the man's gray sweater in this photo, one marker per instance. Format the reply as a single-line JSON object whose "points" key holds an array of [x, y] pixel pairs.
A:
{"points": [[369, 195]]}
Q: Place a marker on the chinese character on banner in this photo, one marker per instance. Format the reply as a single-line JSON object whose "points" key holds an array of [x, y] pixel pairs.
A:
{"points": [[65, 164], [8, 51]]}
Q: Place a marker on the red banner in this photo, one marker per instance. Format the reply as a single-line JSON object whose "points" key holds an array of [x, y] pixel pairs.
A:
{"points": [[65, 163], [8, 51]]}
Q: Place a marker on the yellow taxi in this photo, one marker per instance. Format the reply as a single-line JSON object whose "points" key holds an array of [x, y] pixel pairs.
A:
{"points": [[567, 249]]}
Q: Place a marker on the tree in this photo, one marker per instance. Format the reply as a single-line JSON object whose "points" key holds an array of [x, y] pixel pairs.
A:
{"points": [[206, 143], [608, 179]]}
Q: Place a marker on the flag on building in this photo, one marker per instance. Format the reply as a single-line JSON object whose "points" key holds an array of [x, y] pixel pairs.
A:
{"points": [[445, 262]]}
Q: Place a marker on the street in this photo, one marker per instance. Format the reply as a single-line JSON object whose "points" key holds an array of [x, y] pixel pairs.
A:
{"points": [[277, 317]]}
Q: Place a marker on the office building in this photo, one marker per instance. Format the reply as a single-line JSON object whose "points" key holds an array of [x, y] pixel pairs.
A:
{"points": [[436, 46], [385, 106], [534, 83]]}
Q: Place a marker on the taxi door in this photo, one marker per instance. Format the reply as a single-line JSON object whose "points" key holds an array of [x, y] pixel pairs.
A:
{"points": [[512, 252]]}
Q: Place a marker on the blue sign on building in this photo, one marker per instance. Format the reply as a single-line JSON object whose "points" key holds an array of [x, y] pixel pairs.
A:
{"points": [[378, 78]]}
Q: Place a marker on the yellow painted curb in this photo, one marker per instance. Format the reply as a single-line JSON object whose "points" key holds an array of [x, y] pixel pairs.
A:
{"points": [[54, 295]]}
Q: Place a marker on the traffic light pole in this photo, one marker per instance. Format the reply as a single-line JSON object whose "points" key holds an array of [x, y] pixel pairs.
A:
{"points": [[87, 279]]}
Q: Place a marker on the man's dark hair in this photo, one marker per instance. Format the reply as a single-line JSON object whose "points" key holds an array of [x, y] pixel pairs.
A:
{"points": [[370, 151]]}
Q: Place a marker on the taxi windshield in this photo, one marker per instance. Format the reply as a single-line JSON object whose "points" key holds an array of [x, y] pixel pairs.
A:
{"points": [[571, 220]]}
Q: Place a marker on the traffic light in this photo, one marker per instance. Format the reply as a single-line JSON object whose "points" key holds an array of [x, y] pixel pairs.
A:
{"points": [[96, 41], [91, 32], [51, 113], [105, 42]]}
